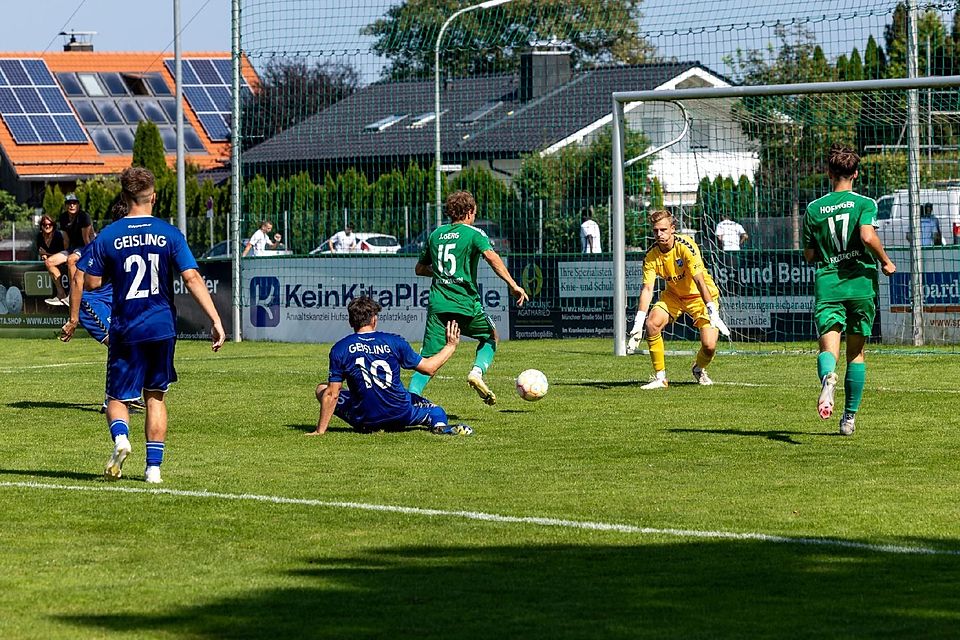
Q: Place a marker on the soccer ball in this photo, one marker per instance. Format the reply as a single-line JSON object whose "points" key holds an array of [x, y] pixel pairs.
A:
{"points": [[532, 385]]}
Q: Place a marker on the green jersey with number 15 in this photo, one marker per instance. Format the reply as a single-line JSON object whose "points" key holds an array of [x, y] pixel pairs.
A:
{"points": [[846, 270], [453, 251]]}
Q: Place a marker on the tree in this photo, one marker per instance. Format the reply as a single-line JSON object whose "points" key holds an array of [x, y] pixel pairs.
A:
{"points": [[291, 90], [11, 210], [489, 40], [148, 151]]}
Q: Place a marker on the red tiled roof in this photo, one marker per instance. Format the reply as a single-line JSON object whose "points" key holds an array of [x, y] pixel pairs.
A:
{"points": [[82, 160]]}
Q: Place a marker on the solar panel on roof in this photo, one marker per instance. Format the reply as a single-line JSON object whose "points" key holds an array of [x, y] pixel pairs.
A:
{"points": [[154, 113], [30, 100], [103, 140], [115, 84], [87, 112], [21, 129], [71, 86], [8, 101], [38, 72], [124, 138], [32, 104], [130, 110], [191, 140], [157, 84], [71, 129], [46, 128], [109, 112], [207, 87], [16, 75]]}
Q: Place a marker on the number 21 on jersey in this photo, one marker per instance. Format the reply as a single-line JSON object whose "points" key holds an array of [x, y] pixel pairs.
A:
{"points": [[136, 265]]}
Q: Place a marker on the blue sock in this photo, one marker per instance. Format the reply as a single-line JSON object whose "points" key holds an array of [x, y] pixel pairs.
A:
{"points": [[154, 453], [119, 428]]}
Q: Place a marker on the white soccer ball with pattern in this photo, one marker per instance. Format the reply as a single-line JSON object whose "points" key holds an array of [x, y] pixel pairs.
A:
{"points": [[532, 385]]}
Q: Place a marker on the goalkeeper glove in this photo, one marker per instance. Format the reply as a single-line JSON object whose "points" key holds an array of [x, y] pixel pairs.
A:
{"points": [[715, 320], [636, 334]]}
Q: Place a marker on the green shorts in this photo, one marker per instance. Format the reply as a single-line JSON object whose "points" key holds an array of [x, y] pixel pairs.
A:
{"points": [[854, 316], [479, 326]]}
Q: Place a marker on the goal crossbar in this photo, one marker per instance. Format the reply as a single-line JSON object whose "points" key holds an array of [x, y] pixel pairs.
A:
{"points": [[620, 98]]}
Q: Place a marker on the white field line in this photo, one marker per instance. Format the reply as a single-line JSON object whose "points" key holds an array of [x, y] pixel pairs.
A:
{"points": [[90, 363], [497, 518]]}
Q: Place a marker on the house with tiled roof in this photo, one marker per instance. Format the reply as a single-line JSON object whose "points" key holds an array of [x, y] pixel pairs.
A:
{"points": [[493, 121], [71, 115]]}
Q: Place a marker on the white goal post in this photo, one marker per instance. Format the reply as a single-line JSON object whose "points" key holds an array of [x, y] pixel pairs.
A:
{"points": [[618, 220]]}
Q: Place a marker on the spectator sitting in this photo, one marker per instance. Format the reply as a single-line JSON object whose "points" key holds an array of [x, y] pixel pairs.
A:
{"points": [[52, 242], [77, 225], [260, 240]]}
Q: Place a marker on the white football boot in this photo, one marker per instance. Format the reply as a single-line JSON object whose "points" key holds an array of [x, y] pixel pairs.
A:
{"points": [[121, 449], [825, 402], [847, 426], [700, 376]]}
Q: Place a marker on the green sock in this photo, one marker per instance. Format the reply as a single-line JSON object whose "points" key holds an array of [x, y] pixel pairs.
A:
{"points": [[485, 351], [418, 382], [826, 363], [853, 384]]}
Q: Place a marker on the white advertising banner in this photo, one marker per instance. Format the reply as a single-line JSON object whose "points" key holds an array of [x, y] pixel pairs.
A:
{"points": [[941, 298], [305, 299]]}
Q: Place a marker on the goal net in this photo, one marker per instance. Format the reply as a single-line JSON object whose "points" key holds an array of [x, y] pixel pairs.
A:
{"points": [[738, 167]]}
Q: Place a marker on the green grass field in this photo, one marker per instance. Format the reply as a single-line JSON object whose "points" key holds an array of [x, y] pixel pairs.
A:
{"points": [[261, 532]]}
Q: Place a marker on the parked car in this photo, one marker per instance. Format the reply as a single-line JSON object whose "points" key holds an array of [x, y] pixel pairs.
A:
{"points": [[366, 243], [221, 251], [501, 244]]}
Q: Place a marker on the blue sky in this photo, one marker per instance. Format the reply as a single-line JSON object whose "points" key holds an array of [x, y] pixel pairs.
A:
{"points": [[120, 25], [331, 27]]}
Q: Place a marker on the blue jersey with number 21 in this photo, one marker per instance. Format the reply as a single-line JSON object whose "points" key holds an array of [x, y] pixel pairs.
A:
{"points": [[370, 364], [141, 255]]}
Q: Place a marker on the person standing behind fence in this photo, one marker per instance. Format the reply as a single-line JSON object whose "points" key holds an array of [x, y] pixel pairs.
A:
{"points": [[141, 255], [839, 236], [260, 240], [343, 241], [589, 233], [52, 242], [731, 234]]}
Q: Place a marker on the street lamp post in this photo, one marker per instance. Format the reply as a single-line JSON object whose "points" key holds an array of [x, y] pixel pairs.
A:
{"points": [[436, 94]]}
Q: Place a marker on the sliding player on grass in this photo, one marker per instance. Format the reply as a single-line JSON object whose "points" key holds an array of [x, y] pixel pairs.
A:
{"points": [[370, 361], [838, 235], [689, 289]]}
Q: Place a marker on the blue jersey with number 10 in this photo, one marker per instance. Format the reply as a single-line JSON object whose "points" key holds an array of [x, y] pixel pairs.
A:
{"points": [[141, 255], [370, 364]]}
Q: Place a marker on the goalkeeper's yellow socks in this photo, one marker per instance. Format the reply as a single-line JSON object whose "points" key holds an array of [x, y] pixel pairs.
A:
{"points": [[655, 345], [703, 360], [853, 383], [826, 364]]}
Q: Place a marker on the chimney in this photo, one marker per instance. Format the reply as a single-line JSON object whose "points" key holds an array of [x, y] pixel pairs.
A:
{"points": [[542, 71], [78, 40]]}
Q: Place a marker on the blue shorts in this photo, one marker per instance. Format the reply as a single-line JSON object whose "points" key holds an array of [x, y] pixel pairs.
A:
{"points": [[95, 317], [135, 368], [422, 412]]}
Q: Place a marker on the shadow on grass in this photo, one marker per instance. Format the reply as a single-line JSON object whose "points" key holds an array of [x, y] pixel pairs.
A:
{"points": [[769, 434], [51, 404], [676, 590], [614, 384], [50, 473]]}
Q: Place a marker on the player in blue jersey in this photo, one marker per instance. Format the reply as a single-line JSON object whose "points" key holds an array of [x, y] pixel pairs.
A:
{"points": [[141, 255], [370, 361], [91, 309]]}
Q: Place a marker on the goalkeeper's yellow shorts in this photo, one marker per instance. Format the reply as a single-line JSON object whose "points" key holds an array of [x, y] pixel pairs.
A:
{"points": [[693, 306]]}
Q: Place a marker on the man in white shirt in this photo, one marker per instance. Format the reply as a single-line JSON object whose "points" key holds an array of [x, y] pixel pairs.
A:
{"points": [[730, 234], [589, 233], [260, 240], [343, 241]]}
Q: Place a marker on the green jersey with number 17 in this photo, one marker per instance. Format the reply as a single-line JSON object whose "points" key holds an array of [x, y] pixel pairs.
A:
{"points": [[846, 271], [453, 251]]}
